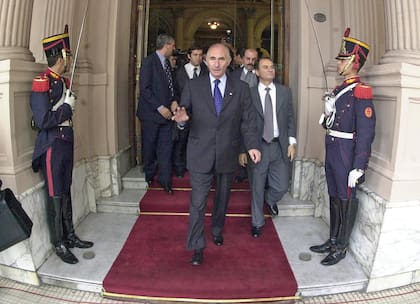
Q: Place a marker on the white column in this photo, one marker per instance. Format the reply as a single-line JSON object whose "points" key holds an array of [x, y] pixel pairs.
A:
{"points": [[15, 27], [49, 18], [402, 31]]}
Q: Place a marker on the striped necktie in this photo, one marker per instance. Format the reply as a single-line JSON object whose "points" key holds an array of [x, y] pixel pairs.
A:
{"points": [[168, 73]]}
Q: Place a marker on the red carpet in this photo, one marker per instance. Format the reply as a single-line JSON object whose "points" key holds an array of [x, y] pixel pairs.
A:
{"points": [[184, 183], [154, 264], [179, 202]]}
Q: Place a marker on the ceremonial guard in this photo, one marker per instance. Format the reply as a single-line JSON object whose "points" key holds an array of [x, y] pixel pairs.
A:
{"points": [[52, 104], [349, 118]]}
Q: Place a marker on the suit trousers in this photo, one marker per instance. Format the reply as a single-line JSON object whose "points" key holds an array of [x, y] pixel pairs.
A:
{"points": [[157, 148], [201, 184], [269, 180]]}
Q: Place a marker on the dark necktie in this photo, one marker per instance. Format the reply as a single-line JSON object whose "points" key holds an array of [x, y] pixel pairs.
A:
{"points": [[168, 73], [195, 75], [217, 95], [268, 133]]}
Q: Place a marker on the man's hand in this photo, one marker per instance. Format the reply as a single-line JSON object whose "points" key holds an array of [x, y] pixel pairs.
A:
{"points": [[165, 112], [291, 152], [174, 106], [180, 115], [255, 155], [70, 99], [243, 159], [329, 103], [354, 176]]}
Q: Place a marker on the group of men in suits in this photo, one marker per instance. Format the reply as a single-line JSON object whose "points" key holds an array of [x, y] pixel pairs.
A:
{"points": [[226, 117]]}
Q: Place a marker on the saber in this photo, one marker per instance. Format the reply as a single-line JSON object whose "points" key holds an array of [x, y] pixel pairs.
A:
{"points": [[317, 43], [77, 48]]}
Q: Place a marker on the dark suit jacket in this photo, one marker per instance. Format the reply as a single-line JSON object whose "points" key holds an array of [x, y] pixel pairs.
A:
{"points": [[214, 142], [236, 73], [285, 115], [154, 90], [182, 76]]}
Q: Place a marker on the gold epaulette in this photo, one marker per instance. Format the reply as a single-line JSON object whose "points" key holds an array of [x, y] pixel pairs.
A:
{"points": [[40, 84], [363, 91]]}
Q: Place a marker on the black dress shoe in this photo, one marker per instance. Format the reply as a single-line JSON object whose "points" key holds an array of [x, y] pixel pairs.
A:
{"points": [[335, 256], [167, 187], [74, 241], [256, 231], [323, 248], [197, 258], [218, 240], [65, 255], [273, 210]]}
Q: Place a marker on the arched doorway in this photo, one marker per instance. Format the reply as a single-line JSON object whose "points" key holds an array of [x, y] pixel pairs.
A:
{"points": [[243, 24]]}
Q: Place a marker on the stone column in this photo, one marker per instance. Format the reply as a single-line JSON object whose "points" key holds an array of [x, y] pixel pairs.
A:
{"points": [[402, 34], [15, 27], [250, 27], [179, 30], [394, 168], [365, 18], [50, 16]]}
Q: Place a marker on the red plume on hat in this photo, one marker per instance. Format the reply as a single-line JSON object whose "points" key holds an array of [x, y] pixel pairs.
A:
{"points": [[347, 32]]}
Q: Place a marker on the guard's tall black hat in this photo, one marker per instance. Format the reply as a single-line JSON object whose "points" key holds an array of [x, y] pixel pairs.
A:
{"points": [[352, 47], [54, 45]]}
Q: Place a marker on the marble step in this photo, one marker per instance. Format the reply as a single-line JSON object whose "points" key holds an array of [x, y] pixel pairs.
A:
{"points": [[126, 202], [134, 180]]}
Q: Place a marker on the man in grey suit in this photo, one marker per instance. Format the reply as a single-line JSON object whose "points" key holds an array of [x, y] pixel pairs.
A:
{"points": [[277, 131], [220, 113]]}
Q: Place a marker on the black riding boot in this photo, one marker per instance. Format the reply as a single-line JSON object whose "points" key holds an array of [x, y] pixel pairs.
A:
{"points": [[348, 212], [55, 225], [334, 224], [71, 239]]}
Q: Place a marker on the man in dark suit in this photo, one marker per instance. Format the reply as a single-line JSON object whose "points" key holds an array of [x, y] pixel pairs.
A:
{"points": [[277, 132], [193, 69], [220, 113], [247, 71], [158, 98]]}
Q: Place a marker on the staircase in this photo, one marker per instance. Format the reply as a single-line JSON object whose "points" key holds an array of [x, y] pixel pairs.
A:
{"points": [[134, 187]]}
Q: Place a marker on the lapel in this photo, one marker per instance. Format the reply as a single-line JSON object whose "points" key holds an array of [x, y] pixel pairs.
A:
{"points": [[229, 93], [279, 99], [257, 100], [159, 68], [206, 93]]}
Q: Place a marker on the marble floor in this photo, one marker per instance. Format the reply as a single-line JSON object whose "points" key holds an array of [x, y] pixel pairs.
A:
{"points": [[110, 230]]}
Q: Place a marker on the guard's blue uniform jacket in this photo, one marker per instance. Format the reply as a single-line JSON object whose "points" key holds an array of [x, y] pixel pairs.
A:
{"points": [[355, 114], [50, 115]]}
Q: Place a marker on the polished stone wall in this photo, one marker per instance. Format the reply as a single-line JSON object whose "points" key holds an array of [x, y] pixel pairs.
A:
{"points": [[386, 237], [21, 261]]}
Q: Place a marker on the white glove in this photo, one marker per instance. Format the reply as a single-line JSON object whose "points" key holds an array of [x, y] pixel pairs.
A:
{"points": [[329, 103], [70, 99], [354, 176]]}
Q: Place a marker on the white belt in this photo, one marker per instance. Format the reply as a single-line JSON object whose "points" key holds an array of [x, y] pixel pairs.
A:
{"points": [[66, 123], [340, 134]]}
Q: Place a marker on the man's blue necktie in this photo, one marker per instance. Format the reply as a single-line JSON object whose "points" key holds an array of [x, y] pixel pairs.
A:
{"points": [[217, 95]]}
